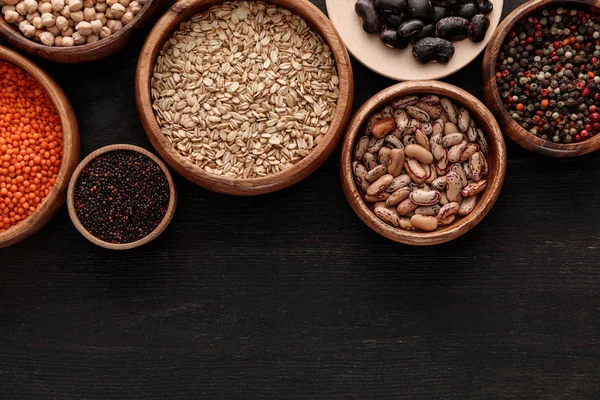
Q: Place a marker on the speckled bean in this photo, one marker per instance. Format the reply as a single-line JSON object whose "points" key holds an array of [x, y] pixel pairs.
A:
{"points": [[375, 173], [395, 162], [474, 188], [425, 223], [453, 187]]}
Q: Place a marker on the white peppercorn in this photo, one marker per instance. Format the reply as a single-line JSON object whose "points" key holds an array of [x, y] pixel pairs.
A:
{"points": [[37, 22], [127, 17], [77, 16], [117, 10], [75, 5], [96, 27], [84, 27], [92, 39], [47, 38], [48, 20], [58, 5], [62, 23], [68, 42], [30, 6], [78, 38], [105, 32], [45, 8], [11, 16]]}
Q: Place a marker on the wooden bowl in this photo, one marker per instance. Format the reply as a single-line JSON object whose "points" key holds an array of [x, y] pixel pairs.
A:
{"points": [[496, 161], [162, 31], [124, 246], [492, 96], [56, 197], [397, 64], [87, 52]]}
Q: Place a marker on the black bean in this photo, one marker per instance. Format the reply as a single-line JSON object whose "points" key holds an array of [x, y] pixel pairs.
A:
{"points": [[466, 11], [485, 6], [478, 27], [390, 38], [391, 6], [443, 3], [394, 20], [441, 12], [452, 28], [410, 28], [420, 9], [427, 31], [433, 49], [371, 21]]}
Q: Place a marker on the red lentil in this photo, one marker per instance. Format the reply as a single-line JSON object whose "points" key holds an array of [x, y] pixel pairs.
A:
{"points": [[31, 145]]}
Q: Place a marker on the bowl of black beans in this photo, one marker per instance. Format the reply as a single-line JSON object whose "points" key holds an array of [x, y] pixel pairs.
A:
{"points": [[541, 76], [121, 197], [415, 39]]}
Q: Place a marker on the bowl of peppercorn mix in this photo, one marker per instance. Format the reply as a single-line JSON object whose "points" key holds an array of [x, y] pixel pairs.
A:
{"points": [[121, 197], [541, 77], [39, 147]]}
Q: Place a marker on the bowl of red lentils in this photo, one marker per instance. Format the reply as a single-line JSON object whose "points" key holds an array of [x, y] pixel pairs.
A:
{"points": [[121, 197], [541, 76], [39, 147]]}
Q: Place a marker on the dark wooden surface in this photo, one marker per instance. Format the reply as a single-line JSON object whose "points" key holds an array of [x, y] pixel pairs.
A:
{"points": [[289, 295]]}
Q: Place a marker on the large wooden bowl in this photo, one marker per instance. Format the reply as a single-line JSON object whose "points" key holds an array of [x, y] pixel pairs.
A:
{"points": [[163, 30], [56, 197], [87, 52], [492, 96], [124, 246], [496, 161]]}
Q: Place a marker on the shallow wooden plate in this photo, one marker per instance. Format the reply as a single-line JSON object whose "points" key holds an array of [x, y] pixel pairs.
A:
{"points": [[492, 97], [56, 197], [124, 246], [496, 161], [400, 64]]}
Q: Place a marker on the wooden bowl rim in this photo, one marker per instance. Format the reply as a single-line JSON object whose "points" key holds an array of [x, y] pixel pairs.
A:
{"points": [[11, 33], [121, 246], [456, 229], [492, 96], [249, 186], [53, 201]]}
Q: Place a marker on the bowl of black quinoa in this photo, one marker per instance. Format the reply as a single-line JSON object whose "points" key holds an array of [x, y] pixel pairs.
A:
{"points": [[121, 197], [541, 76]]}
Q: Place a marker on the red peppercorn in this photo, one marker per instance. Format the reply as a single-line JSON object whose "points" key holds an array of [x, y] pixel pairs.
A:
{"points": [[593, 108], [558, 68], [510, 100], [512, 83], [557, 44], [555, 58], [577, 138], [583, 20], [588, 127], [544, 92], [580, 85], [596, 126], [505, 72], [596, 96], [583, 133], [595, 117], [540, 113], [529, 40], [538, 34], [594, 60], [580, 13], [586, 92], [538, 27], [577, 46], [513, 34]]}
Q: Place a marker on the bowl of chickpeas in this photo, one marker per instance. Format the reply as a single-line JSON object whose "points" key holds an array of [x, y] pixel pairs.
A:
{"points": [[39, 147], [74, 31]]}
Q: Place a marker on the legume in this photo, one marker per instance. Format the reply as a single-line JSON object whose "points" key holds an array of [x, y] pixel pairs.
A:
{"points": [[30, 145], [121, 196]]}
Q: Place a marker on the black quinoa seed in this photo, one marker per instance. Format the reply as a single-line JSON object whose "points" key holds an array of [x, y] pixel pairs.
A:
{"points": [[121, 196]]}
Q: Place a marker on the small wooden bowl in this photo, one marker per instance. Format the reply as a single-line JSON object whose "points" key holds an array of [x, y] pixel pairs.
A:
{"points": [[492, 96], [87, 52], [124, 246], [50, 206], [496, 161], [163, 30]]}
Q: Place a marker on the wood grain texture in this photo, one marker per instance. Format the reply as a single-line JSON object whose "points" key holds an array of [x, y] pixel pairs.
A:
{"points": [[290, 296], [50, 206], [496, 161], [492, 96], [87, 52], [124, 246], [163, 30]]}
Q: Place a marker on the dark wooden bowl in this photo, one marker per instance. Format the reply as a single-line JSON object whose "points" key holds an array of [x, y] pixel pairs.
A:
{"points": [[496, 161], [56, 197], [163, 30], [125, 246], [87, 52], [492, 96]]}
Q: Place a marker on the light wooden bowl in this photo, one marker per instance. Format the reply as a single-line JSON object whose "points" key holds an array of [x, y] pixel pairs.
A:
{"points": [[56, 197], [87, 52], [492, 96], [496, 160], [400, 64], [124, 246], [162, 31]]}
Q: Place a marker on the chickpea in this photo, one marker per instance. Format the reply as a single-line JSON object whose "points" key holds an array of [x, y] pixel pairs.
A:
{"points": [[68, 32], [11, 2], [20, 8], [101, 7], [75, 5], [88, 3], [11, 16], [30, 17], [6, 8], [124, 3], [58, 41], [89, 14], [78, 38], [77, 16], [66, 12], [68, 42], [92, 39], [45, 8], [114, 25], [58, 5], [54, 30], [48, 20], [127, 17], [30, 6], [62, 23], [47, 38], [111, 2], [37, 22], [96, 27], [105, 32], [135, 7], [101, 17], [117, 10]]}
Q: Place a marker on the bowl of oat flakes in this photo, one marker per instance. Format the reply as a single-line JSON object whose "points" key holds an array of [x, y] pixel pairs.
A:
{"points": [[244, 97]]}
